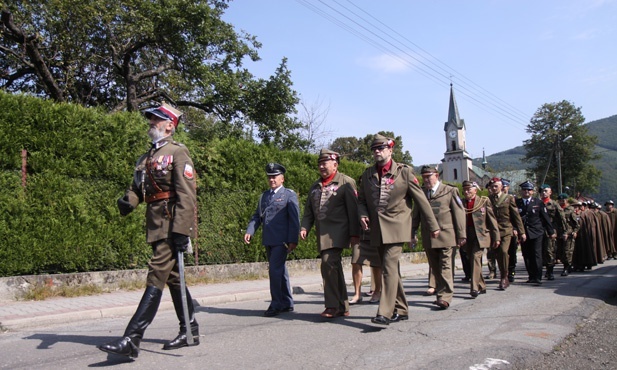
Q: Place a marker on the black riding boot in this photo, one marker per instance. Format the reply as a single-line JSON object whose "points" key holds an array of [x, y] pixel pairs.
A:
{"points": [[181, 340], [128, 345]]}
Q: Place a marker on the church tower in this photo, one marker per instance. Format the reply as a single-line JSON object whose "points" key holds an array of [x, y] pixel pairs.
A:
{"points": [[456, 163]]}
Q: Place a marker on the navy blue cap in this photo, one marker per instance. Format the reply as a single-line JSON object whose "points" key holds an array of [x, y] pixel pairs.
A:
{"points": [[527, 185], [273, 169]]}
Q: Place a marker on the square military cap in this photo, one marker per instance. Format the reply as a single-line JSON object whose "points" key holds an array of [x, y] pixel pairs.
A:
{"points": [[527, 185], [505, 182], [164, 111], [328, 155], [428, 169], [470, 184], [273, 169], [380, 140]]}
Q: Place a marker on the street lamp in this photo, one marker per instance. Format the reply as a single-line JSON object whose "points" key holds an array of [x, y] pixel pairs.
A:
{"points": [[559, 159], [557, 152]]}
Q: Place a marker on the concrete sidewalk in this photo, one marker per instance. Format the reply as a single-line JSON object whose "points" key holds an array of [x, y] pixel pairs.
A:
{"points": [[26, 314]]}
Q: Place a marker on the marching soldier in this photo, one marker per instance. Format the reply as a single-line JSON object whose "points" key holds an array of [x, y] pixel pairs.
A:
{"points": [[612, 214], [549, 246], [332, 206], [482, 232], [279, 213], [537, 224], [504, 209], [565, 248], [386, 194], [164, 179], [447, 207]]}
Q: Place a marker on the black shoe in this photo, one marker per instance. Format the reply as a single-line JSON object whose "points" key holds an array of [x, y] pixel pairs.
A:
{"points": [[465, 280], [474, 293], [551, 277], [396, 317], [535, 282], [287, 309], [565, 272], [181, 341], [511, 278], [271, 312], [381, 320], [123, 347]]}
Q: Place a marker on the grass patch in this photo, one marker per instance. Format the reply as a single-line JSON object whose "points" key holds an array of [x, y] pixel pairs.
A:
{"points": [[43, 292]]}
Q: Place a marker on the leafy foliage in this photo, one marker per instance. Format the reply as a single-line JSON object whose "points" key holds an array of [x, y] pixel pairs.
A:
{"points": [[122, 55], [557, 133], [81, 160]]}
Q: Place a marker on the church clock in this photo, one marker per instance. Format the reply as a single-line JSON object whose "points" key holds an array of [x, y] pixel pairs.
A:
{"points": [[452, 134]]}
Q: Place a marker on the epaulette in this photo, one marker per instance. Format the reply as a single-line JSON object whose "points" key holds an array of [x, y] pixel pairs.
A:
{"points": [[177, 143], [289, 190]]}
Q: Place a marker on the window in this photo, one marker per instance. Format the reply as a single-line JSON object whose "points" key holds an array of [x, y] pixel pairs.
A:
{"points": [[455, 174], [453, 145]]}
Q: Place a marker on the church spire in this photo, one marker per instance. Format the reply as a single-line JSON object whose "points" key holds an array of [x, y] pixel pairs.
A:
{"points": [[453, 110], [484, 161]]}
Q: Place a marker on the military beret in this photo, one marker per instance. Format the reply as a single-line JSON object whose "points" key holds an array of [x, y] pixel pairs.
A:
{"points": [[164, 111], [327, 155], [545, 186], [428, 169], [505, 182], [493, 180], [273, 169], [562, 196], [609, 202], [380, 140], [527, 185], [471, 184]]}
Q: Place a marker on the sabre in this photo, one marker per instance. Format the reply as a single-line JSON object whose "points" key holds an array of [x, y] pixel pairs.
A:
{"points": [[185, 307]]}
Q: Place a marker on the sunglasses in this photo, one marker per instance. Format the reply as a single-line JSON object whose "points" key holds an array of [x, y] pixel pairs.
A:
{"points": [[380, 147]]}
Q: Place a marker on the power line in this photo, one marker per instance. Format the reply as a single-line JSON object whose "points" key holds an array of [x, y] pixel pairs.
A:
{"points": [[383, 40]]}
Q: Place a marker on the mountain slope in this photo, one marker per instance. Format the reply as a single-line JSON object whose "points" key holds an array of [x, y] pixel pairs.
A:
{"points": [[606, 131]]}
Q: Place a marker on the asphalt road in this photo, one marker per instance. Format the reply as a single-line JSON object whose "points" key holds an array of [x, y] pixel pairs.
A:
{"points": [[519, 328]]}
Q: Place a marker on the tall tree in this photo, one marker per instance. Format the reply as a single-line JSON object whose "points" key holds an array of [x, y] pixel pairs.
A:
{"points": [[559, 135], [124, 54], [359, 149]]}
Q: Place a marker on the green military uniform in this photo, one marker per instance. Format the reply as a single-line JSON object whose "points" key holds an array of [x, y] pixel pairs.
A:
{"points": [[565, 248], [387, 202], [333, 208], [164, 179], [482, 230], [549, 245], [508, 219]]}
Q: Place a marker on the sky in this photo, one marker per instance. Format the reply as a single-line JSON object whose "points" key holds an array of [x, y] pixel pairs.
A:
{"points": [[388, 64]]}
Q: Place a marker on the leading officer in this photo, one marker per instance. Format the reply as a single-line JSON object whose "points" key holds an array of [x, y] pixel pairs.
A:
{"points": [[164, 179]]}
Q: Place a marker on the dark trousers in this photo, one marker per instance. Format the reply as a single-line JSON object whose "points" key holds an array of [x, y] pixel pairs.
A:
{"points": [[465, 261], [280, 289], [532, 254]]}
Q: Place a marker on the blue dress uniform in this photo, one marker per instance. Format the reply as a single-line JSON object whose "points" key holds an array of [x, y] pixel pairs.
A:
{"points": [[279, 214], [537, 223]]}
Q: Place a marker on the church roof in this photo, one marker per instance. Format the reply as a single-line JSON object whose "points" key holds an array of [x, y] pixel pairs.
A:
{"points": [[453, 116]]}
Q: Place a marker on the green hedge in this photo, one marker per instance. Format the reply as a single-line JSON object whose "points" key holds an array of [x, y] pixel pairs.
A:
{"points": [[81, 160]]}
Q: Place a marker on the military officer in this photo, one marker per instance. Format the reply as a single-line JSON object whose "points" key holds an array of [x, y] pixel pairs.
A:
{"points": [[447, 207], [332, 206], [386, 194], [482, 232], [565, 248], [537, 224], [279, 213], [549, 244], [164, 179], [504, 209]]}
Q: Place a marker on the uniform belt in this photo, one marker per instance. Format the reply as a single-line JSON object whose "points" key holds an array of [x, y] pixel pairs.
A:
{"points": [[160, 196]]}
